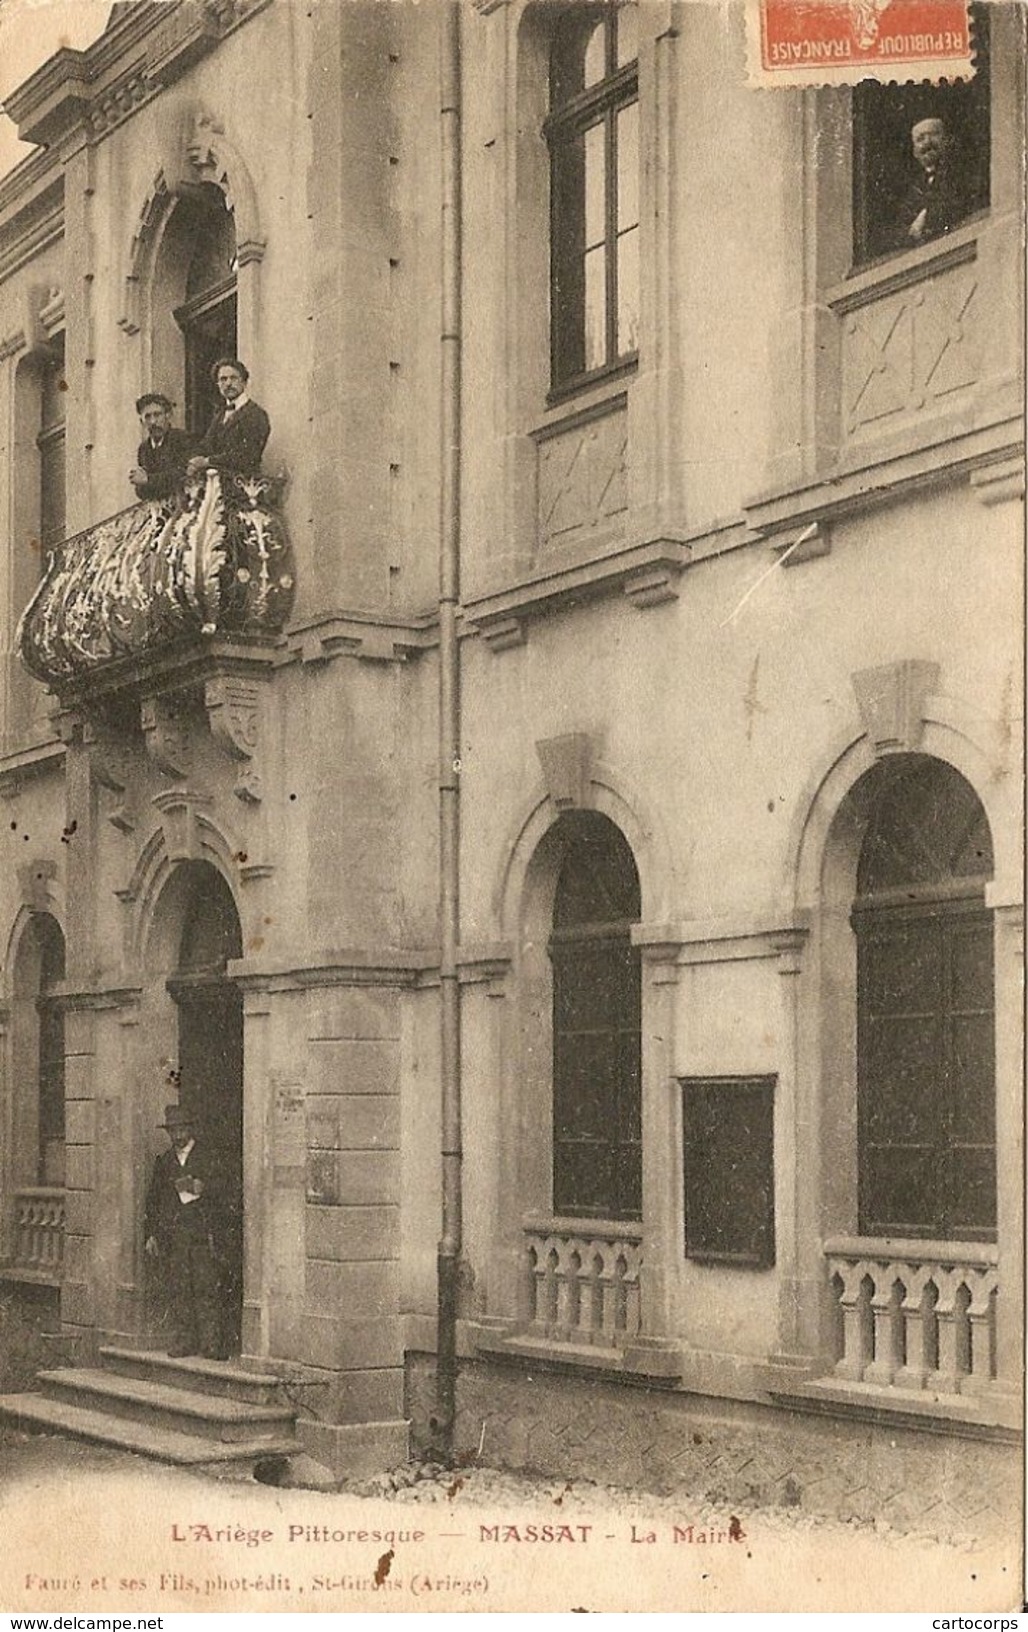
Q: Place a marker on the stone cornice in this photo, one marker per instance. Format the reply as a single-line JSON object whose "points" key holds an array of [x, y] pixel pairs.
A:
{"points": [[724, 940], [887, 480], [36, 221], [145, 49], [366, 635], [350, 966], [17, 768]]}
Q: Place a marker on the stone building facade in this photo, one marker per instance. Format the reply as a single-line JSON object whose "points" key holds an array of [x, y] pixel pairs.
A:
{"points": [[738, 661]]}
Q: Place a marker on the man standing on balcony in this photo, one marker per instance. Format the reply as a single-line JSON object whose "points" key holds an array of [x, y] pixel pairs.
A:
{"points": [[164, 451], [184, 1233], [237, 434], [937, 200]]}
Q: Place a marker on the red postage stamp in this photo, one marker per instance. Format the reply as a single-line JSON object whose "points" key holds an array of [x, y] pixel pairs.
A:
{"points": [[840, 42]]}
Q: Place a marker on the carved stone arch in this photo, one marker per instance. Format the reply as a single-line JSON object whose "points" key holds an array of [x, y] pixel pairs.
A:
{"points": [[197, 152], [186, 832], [642, 829], [215, 159], [947, 736], [153, 217], [820, 871], [19, 925]]}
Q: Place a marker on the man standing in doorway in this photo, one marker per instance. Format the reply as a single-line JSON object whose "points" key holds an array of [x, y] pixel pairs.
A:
{"points": [[183, 1233]]}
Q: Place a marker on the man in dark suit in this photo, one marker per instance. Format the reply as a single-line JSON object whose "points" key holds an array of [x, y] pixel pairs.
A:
{"points": [[184, 1231], [235, 438], [164, 452], [937, 199]]}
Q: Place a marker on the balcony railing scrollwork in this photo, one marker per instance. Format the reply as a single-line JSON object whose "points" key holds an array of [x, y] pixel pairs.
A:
{"points": [[213, 561]]}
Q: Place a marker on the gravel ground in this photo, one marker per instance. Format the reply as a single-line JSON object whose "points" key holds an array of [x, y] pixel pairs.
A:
{"points": [[787, 1559]]}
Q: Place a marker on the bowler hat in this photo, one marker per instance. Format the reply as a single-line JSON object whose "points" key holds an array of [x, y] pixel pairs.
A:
{"points": [[175, 1117]]}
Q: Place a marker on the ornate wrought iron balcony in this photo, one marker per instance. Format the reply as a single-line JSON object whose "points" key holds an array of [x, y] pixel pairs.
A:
{"points": [[212, 562]]}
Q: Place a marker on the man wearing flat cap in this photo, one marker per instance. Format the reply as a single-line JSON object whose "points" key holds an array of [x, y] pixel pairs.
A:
{"points": [[937, 199], [164, 452], [183, 1233]]}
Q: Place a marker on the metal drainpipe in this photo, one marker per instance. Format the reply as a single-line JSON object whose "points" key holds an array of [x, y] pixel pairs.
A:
{"points": [[448, 1259]]}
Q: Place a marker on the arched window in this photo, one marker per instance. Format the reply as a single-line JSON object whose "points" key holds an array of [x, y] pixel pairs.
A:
{"points": [[207, 315], [597, 1118], [925, 1006], [593, 136], [38, 1036]]}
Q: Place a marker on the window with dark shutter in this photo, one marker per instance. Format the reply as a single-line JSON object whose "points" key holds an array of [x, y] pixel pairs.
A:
{"points": [[925, 1012], [728, 1139], [597, 1115]]}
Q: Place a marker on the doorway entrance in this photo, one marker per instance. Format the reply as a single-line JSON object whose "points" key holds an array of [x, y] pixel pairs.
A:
{"points": [[210, 1060]]}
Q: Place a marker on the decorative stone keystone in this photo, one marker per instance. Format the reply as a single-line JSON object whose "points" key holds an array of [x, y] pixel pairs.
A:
{"points": [[34, 881], [891, 700], [179, 811], [566, 763]]}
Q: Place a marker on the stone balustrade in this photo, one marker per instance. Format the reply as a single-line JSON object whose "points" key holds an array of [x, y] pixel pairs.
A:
{"points": [[39, 1232], [582, 1280], [915, 1314], [212, 561]]}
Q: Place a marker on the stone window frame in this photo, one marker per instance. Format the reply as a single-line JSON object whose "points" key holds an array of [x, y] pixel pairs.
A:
{"points": [[965, 103], [596, 107]]}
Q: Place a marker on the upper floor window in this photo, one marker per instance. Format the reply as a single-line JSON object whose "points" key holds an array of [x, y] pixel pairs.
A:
{"points": [[593, 136], [921, 157], [207, 316], [50, 442]]}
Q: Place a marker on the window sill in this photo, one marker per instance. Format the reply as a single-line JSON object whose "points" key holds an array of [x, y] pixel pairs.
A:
{"points": [[890, 272], [584, 388], [11, 1275], [642, 1360], [996, 1415]]}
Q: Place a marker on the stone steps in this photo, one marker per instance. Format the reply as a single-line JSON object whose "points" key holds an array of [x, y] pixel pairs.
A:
{"points": [[185, 1411], [217, 1377], [180, 1408]]}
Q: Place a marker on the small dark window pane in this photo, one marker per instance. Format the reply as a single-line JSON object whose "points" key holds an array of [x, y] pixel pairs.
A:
{"points": [[886, 177], [728, 1127]]}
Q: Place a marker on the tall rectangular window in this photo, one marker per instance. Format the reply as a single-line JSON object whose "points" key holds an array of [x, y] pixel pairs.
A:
{"points": [[593, 136], [50, 443]]}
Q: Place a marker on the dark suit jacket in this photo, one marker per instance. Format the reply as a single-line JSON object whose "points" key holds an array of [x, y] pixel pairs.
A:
{"points": [[166, 1214], [945, 199], [236, 441], [165, 466]]}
